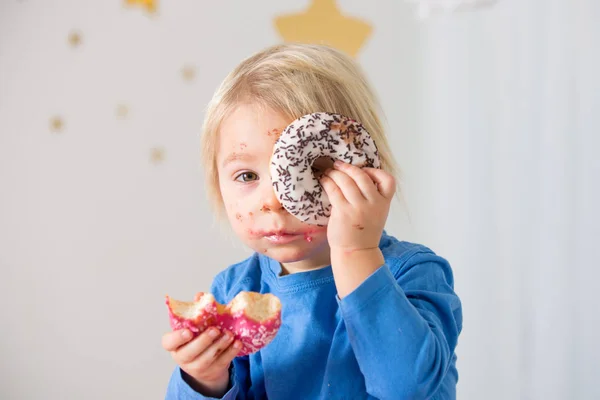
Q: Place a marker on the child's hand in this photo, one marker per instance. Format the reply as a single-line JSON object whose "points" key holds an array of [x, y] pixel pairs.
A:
{"points": [[206, 358], [360, 200]]}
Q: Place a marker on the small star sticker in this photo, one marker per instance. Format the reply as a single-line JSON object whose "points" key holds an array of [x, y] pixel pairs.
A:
{"points": [[56, 124], [324, 23], [157, 155], [75, 39], [150, 5], [122, 111], [188, 73]]}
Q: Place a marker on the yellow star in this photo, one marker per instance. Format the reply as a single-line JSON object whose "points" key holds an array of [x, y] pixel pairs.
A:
{"points": [[56, 124], [149, 4], [324, 23], [75, 39], [122, 111], [188, 73], [157, 155]]}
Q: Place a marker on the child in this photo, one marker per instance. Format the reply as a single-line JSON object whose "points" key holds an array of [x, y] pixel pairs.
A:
{"points": [[363, 314]]}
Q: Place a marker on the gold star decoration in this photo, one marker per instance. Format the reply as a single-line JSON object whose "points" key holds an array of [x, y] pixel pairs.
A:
{"points": [[75, 39], [188, 73], [122, 111], [150, 5], [157, 155], [56, 124], [324, 23]]}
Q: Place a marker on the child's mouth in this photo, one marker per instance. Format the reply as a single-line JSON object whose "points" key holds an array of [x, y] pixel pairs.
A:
{"points": [[283, 237]]}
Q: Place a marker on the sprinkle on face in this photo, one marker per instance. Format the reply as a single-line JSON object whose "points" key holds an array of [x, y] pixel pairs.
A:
{"points": [[275, 133]]}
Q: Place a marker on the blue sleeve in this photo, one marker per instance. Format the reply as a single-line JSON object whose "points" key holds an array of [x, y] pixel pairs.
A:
{"points": [[404, 327], [179, 389]]}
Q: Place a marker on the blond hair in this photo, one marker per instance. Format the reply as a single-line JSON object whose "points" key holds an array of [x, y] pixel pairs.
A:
{"points": [[294, 80]]}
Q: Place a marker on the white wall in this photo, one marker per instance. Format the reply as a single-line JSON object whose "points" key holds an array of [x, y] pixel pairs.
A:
{"points": [[93, 235]]}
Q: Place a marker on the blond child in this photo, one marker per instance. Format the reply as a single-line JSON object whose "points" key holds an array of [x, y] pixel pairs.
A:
{"points": [[364, 315]]}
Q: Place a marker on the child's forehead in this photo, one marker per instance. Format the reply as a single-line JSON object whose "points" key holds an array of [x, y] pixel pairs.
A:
{"points": [[239, 148], [250, 132], [249, 128]]}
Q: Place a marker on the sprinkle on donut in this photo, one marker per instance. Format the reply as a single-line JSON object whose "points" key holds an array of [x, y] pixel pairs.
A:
{"points": [[305, 140]]}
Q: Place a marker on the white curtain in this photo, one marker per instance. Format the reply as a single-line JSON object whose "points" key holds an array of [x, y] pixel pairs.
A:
{"points": [[509, 159]]}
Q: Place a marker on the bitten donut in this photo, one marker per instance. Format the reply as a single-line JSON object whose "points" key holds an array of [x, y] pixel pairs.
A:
{"points": [[305, 140], [253, 318]]}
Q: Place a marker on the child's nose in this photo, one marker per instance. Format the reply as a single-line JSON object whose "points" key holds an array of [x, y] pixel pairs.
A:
{"points": [[271, 203]]}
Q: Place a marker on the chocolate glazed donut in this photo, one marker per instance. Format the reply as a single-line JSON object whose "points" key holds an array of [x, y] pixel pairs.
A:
{"points": [[305, 140]]}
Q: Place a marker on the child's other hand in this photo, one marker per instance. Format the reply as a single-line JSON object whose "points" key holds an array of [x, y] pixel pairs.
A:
{"points": [[360, 200], [205, 358]]}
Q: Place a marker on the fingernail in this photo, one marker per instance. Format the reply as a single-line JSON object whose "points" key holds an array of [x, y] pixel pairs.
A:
{"points": [[213, 333], [237, 345], [186, 334], [338, 163]]}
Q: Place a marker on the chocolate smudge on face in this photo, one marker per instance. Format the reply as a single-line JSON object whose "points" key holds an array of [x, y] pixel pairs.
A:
{"points": [[275, 133]]}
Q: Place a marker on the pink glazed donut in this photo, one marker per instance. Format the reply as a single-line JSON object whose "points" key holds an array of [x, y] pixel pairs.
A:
{"points": [[253, 318], [305, 140]]}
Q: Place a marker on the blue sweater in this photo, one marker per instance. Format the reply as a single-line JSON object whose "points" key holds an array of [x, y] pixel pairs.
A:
{"points": [[391, 338]]}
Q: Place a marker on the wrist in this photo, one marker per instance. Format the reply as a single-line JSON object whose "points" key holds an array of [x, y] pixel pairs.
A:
{"points": [[343, 256], [208, 387], [352, 268]]}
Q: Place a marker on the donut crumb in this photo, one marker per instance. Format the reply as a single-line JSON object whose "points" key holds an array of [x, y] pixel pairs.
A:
{"points": [[274, 132]]}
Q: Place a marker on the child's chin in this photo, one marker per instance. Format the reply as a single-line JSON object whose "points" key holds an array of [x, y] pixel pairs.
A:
{"points": [[286, 255], [293, 252]]}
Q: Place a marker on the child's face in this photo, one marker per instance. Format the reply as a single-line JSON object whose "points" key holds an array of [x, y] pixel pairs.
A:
{"points": [[246, 140]]}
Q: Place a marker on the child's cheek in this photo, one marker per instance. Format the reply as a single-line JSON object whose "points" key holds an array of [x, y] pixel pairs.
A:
{"points": [[242, 219]]}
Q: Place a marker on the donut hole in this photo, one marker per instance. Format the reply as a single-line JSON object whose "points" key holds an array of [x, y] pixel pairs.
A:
{"points": [[320, 165]]}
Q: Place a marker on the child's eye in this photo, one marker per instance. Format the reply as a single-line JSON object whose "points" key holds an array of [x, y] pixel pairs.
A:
{"points": [[246, 177]]}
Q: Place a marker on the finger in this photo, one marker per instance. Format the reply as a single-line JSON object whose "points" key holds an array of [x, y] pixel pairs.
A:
{"points": [[362, 180], [386, 184], [212, 353], [336, 197], [194, 348], [227, 356], [173, 340], [347, 185]]}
